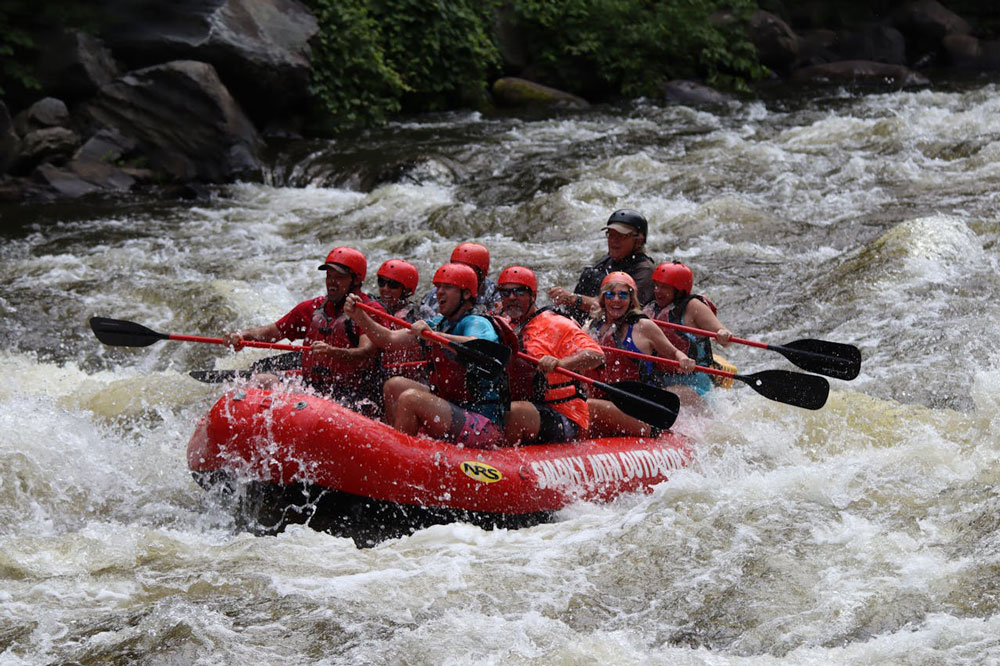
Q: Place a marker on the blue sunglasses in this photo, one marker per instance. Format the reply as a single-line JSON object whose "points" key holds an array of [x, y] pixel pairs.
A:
{"points": [[618, 294]]}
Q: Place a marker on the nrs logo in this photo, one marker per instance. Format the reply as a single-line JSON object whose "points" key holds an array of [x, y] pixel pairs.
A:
{"points": [[481, 472]]}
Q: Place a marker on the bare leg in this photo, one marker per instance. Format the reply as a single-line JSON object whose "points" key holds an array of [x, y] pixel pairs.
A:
{"points": [[606, 420], [418, 409], [391, 391], [523, 423]]}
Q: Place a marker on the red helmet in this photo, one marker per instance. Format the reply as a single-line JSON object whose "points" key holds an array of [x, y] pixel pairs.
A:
{"points": [[472, 254], [348, 258], [519, 275], [619, 276], [401, 271], [458, 275], [675, 274]]}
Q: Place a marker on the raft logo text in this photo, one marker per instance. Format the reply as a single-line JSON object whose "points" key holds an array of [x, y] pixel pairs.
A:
{"points": [[481, 471], [607, 467]]}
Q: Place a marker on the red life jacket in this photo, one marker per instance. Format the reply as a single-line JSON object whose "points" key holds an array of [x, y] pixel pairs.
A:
{"points": [[464, 384], [337, 331], [697, 347], [618, 367]]}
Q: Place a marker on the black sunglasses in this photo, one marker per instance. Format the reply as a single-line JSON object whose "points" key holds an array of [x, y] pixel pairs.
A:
{"points": [[386, 282], [514, 291]]}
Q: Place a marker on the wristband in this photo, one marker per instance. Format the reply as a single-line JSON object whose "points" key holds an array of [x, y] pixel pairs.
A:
{"points": [[579, 302]]}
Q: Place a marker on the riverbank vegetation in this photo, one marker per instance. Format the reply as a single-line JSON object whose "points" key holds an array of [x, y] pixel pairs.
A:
{"points": [[375, 58]]}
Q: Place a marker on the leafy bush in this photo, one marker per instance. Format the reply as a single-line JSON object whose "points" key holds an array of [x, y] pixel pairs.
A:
{"points": [[626, 47], [351, 81], [443, 50]]}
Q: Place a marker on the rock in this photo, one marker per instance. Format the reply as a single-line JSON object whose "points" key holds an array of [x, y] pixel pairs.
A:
{"points": [[183, 120], [63, 181], [107, 145], [260, 48], [776, 43], [967, 52], [50, 144], [46, 112], [74, 65], [692, 93], [859, 72], [512, 91], [924, 24], [10, 142], [872, 41]]}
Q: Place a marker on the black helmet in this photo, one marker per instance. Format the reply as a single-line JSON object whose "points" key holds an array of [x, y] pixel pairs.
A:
{"points": [[627, 216]]}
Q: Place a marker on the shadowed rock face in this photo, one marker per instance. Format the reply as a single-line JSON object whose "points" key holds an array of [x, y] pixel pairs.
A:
{"points": [[184, 120], [259, 49]]}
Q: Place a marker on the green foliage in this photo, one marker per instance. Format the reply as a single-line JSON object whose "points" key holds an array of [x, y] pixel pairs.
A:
{"points": [[22, 23], [626, 47], [374, 58], [443, 49], [351, 81]]}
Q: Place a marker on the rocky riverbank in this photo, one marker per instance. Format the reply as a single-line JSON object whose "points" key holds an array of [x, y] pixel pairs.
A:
{"points": [[176, 93]]}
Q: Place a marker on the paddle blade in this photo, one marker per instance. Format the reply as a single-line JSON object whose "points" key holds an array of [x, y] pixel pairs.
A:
{"points": [[833, 359], [119, 333], [649, 404], [792, 388], [220, 376], [484, 353]]}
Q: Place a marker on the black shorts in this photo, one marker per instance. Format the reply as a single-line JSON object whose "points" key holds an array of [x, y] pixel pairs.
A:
{"points": [[553, 427]]}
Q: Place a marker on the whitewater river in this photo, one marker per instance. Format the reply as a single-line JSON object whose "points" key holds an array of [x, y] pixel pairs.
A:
{"points": [[864, 533]]}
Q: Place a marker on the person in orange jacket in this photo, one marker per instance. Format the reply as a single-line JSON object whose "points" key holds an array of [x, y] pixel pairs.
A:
{"points": [[547, 406]]}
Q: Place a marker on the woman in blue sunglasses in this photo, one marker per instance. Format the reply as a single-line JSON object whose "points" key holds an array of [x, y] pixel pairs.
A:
{"points": [[622, 325]]}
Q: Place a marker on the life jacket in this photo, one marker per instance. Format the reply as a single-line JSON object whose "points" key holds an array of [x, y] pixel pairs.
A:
{"points": [[409, 362], [695, 346], [338, 331], [526, 382], [589, 283], [618, 367], [467, 384]]}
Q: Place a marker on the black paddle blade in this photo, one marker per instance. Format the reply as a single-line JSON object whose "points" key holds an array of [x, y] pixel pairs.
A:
{"points": [[792, 388], [833, 359], [220, 376], [649, 404], [486, 354], [118, 333]]}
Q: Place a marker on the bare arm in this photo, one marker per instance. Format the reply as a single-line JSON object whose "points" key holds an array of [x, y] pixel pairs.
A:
{"points": [[585, 359], [561, 296], [701, 316], [649, 337], [379, 335], [266, 333]]}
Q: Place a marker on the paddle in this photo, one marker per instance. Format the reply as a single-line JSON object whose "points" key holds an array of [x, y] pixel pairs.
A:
{"points": [[119, 333], [219, 376], [481, 352], [833, 359], [792, 388], [647, 403]]}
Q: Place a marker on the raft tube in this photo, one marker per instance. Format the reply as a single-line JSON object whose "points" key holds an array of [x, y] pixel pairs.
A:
{"points": [[295, 457]]}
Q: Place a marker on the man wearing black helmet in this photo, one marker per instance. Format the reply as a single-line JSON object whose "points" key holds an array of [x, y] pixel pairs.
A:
{"points": [[626, 231]]}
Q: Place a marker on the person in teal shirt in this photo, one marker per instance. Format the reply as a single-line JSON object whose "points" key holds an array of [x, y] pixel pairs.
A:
{"points": [[464, 403]]}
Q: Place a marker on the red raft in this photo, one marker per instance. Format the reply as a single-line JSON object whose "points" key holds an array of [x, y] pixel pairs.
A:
{"points": [[293, 458]]}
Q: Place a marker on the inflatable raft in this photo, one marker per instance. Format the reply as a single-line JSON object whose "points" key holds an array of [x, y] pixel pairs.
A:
{"points": [[298, 458]]}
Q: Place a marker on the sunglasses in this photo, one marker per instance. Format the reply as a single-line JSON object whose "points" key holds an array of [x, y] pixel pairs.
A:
{"points": [[386, 282], [618, 294], [514, 291]]}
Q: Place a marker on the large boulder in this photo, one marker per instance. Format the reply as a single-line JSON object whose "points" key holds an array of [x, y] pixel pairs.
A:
{"points": [[924, 24], [183, 120], [860, 73], [51, 144], [46, 112], [967, 52], [515, 92], [777, 45], [74, 65], [260, 48]]}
